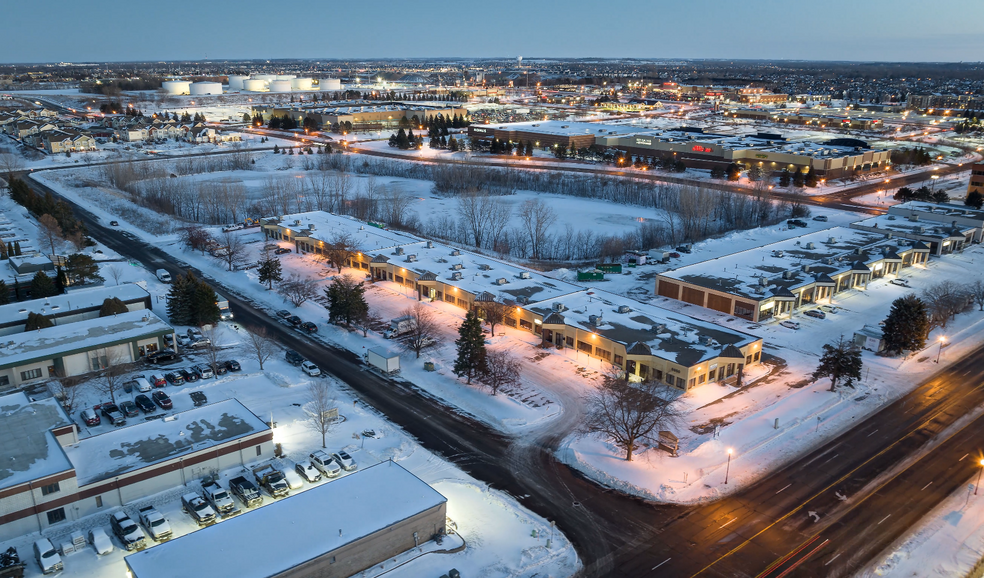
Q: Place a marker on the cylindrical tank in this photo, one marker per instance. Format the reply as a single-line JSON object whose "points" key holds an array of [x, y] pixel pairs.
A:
{"points": [[266, 77], [202, 88], [236, 81], [331, 84], [279, 86], [255, 85], [286, 76], [175, 87], [301, 83]]}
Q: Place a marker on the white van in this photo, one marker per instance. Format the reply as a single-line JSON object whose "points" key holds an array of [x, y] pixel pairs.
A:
{"points": [[47, 556], [163, 276]]}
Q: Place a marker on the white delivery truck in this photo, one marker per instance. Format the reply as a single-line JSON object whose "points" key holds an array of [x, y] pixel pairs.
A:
{"points": [[383, 359], [399, 326], [224, 312], [163, 276]]}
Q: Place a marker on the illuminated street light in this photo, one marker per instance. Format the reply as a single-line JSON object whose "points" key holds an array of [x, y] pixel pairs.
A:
{"points": [[940, 352], [728, 471], [979, 477]]}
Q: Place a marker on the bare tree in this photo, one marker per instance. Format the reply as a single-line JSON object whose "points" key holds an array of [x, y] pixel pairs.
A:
{"points": [[629, 413], [115, 272], [297, 289], [976, 290], [536, 218], [115, 366], [259, 345], [321, 409], [502, 370], [51, 233], [212, 349], [232, 250], [944, 300], [197, 238], [423, 329], [367, 320], [69, 395], [10, 163], [340, 250], [494, 313]]}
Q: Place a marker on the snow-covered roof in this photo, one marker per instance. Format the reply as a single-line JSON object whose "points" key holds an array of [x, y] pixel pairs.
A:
{"points": [[352, 507], [782, 264], [126, 449], [384, 353], [667, 334], [20, 348], [81, 299], [564, 128], [938, 210], [903, 227], [28, 450], [326, 225]]}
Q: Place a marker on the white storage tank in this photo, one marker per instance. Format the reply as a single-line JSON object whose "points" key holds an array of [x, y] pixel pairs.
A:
{"points": [[236, 81], [266, 77], [255, 85], [279, 86], [331, 84], [176, 87], [286, 76], [202, 88], [301, 83]]}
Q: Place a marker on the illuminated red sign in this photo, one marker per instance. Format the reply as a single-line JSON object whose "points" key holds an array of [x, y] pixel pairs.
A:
{"points": [[701, 149]]}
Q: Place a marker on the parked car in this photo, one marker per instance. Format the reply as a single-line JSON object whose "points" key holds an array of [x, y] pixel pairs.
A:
{"points": [[675, 255], [815, 313], [174, 378], [204, 371], [281, 250], [821, 218], [112, 412], [194, 333], [198, 509], [127, 532], [90, 417], [233, 365], [157, 379], [284, 314], [143, 402], [293, 357], [47, 557], [797, 223], [100, 541], [900, 282], [162, 399], [309, 326], [790, 324], [684, 249], [325, 463], [293, 480], [345, 460], [830, 309], [219, 368], [156, 524], [271, 479], [294, 320], [189, 375], [162, 355], [142, 385], [114, 223], [129, 409], [200, 343], [198, 398], [307, 471]]}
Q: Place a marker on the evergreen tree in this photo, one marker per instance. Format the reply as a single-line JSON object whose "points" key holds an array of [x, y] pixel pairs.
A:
{"points": [[784, 178], [402, 142], [412, 140], [734, 172], [204, 305], [37, 321], [840, 359], [346, 300], [178, 306], [81, 268], [529, 148], [112, 306], [907, 325], [471, 360], [974, 199], [798, 179], [276, 149], [4, 293], [42, 286], [452, 144], [435, 143], [810, 180], [17, 249], [270, 272]]}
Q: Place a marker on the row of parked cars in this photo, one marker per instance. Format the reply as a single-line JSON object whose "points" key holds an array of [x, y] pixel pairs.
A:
{"points": [[290, 320], [297, 360]]}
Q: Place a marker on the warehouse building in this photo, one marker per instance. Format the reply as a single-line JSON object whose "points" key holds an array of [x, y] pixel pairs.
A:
{"points": [[53, 477], [78, 305], [647, 342], [776, 279], [80, 347], [365, 518]]}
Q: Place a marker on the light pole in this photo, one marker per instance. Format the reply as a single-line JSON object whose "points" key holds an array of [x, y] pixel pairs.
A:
{"points": [[934, 177], [728, 470], [942, 339], [979, 477]]}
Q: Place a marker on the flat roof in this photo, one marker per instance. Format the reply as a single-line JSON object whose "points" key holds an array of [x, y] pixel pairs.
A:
{"points": [[563, 128], [924, 228], [19, 348], [740, 273], [28, 450], [146, 443], [939, 209], [76, 300], [681, 339], [808, 148], [352, 507], [367, 238]]}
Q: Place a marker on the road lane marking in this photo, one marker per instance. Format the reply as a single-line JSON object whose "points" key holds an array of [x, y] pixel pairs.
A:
{"points": [[661, 563], [883, 519], [872, 433], [832, 559], [786, 558], [728, 522], [787, 485], [803, 559], [830, 458], [926, 486], [962, 459]]}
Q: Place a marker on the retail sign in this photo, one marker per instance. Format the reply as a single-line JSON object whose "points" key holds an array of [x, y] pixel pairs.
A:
{"points": [[761, 156], [644, 141], [701, 149], [478, 130]]}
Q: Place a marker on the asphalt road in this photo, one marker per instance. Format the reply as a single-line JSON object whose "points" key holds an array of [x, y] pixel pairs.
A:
{"points": [[763, 530]]}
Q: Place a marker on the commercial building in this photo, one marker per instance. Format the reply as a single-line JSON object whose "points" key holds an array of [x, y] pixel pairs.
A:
{"points": [[647, 342], [818, 119], [776, 279], [549, 133], [77, 305], [945, 102], [49, 476], [933, 214], [976, 183], [81, 347], [362, 115], [942, 239], [335, 529]]}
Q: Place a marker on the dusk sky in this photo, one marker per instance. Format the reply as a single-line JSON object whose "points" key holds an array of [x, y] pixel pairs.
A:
{"points": [[863, 30]]}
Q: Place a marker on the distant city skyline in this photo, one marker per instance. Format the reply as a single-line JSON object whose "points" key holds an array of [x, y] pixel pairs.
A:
{"points": [[842, 30]]}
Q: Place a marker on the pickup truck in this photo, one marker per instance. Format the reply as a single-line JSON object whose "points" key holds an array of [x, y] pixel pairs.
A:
{"points": [[246, 491], [157, 526], [128, 532], [198, 398], [220, 499], [198, 509], [271, 479]]}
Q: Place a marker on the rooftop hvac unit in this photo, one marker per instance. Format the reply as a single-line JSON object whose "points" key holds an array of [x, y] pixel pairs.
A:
{"points": [[806, 268], [777, 253], [457, 267], [831, 239], [430, 244], [456, 276], [484, 266], [411, 258], [764, 281], [399, 250], [523, 299], [311, 226], [525, 275], [557, 306], [828, 260], [888, 235], [891, 217], [658, 328], [297, 222], [811, 246], [858, 251], [594, 320], [624, 309], [920, 230], [501, 281], [788, 274], [913, 218], [455, 253]]}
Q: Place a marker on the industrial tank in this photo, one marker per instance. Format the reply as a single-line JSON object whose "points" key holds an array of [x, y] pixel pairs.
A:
{"points": [[255, 85], [279, 86], [301, 83], [266, 77], [236, 81], [286, 76], [331, 84], [203, 88], [176, 87]]}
